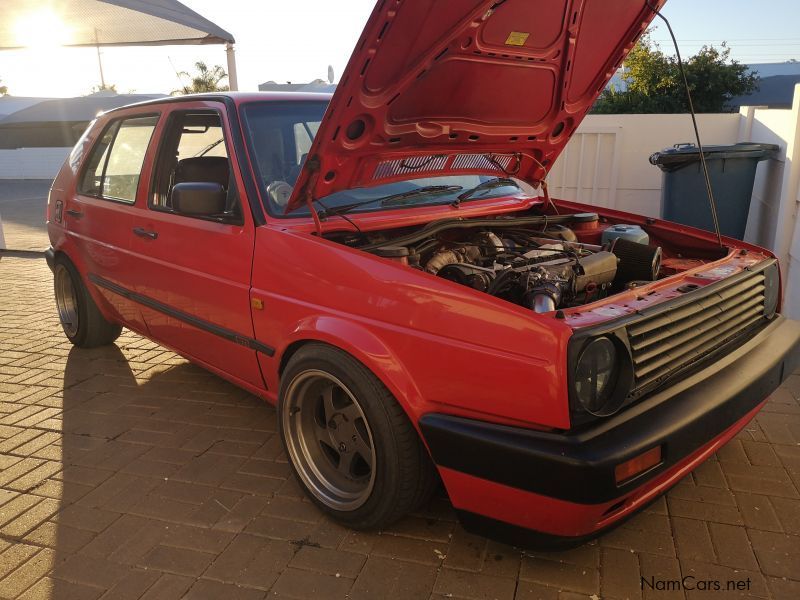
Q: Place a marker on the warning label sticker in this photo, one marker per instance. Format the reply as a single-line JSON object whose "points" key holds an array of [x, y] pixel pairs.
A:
{"points": [[517, 38]]}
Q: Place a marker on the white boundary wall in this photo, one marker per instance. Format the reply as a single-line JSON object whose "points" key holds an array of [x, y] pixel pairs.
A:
{"points": [[611, 152], [32, 163]]}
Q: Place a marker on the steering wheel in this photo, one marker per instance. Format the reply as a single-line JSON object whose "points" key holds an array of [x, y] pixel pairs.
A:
{"points": [[279, 192]]}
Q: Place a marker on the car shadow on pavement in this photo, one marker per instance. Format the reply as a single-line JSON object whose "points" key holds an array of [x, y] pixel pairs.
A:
{"points": [[172, 478]]}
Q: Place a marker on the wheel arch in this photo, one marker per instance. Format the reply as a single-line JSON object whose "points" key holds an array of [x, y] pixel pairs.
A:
{"points": [[362, 345]]}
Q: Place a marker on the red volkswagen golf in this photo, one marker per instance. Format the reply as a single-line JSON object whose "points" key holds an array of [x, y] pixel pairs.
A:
{"points": [[386, 266]]}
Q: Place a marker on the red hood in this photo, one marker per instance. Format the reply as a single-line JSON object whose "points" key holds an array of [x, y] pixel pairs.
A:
{"points": [[439, 87]]}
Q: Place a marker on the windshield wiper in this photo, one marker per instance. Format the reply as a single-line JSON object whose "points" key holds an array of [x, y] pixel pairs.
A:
{"points": [[392, 200], [210, 147], [485, 186], [396, 199]]}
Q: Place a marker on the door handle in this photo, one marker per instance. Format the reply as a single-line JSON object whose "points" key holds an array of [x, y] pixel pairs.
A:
{"points": [[144, 233], [75, 214]]}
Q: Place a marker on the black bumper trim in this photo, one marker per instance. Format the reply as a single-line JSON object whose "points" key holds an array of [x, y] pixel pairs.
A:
{"points": [[579, 467], [222, 332]]}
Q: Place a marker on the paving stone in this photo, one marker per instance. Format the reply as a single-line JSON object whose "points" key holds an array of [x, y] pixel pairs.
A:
{"points": [[330, 562], [732, 547], [97, 572], [294, 583], [30, 519], [214, 590], [410, 549], [27, 574], [48, 588], [477, 586], [693, 539], [705, 512], [758, 512], [168, 586], [387, 578], [180, 561], [640, 541], [778, 554], [132, 585], [563, 576], [620, 576]]}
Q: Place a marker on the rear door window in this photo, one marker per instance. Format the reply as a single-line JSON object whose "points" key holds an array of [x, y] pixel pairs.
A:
{"points": [[115, 163]]}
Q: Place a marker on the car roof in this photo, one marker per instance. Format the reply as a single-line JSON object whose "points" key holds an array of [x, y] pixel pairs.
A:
{"points": [[237, 98]]}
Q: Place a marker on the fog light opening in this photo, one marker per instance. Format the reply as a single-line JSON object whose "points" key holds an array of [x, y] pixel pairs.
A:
{"points": [[634, 467], [615, 507]]}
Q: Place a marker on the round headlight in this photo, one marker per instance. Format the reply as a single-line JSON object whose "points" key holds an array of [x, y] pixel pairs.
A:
{"points": [[596, 376]]}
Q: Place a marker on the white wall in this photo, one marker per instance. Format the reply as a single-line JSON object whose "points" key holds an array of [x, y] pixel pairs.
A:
{"points": [[606, 163], [623, 175], [32, 163]]}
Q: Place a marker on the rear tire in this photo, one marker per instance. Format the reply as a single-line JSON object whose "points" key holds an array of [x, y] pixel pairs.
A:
{"points": [[349, 443], [80, 318]]}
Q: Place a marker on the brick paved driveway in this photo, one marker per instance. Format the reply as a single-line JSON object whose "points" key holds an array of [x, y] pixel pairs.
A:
{"points": [[126, 472]]}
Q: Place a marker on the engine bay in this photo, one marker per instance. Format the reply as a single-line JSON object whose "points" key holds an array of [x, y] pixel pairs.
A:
{"points": [[540, 262]]}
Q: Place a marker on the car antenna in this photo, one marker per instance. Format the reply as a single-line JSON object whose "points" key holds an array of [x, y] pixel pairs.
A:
{"points": [[706, 174]]}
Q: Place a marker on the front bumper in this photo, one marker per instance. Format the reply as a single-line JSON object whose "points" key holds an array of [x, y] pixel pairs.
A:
{"points": [[562, 485]]}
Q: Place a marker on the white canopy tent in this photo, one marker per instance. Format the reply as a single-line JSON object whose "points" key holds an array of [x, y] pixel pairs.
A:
{"points": [[99, 23]]}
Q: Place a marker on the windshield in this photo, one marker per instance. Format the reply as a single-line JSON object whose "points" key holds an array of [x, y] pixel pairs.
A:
{"points": [[280, 134]]}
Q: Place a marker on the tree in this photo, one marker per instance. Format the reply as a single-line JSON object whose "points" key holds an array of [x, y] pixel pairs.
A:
{"points": [[3, 89], [104, 87], [654, 83], [203, 80]]}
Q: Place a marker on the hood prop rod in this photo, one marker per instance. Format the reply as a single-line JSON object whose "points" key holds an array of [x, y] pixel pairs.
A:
{"points": [[706, 174], [314, 214]]}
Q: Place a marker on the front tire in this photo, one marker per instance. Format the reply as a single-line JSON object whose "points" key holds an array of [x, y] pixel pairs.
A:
{"points": [[349, 443], [82, 322]]}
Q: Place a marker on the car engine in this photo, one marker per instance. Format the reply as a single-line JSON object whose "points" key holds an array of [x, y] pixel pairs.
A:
{"points": [[540, 268]]}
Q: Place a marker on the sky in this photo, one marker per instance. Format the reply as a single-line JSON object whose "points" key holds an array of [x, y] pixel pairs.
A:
{"points": [[296, 40]]}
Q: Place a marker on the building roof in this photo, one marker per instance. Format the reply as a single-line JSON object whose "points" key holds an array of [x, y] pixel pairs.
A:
{"points": [[775, 92], [72, 110], [12, 104], [314, 86]]}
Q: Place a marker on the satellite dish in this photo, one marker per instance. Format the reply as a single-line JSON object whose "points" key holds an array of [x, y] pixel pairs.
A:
{"points": [[330, 74]]}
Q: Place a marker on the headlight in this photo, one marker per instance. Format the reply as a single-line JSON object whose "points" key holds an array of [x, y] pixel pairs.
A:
{"points": [[772, 289], [596, 374]]}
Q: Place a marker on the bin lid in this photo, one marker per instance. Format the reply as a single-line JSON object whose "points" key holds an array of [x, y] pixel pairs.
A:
{"points": [[681, 155]]}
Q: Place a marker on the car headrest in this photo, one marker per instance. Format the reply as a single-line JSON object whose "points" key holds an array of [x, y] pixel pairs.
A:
{"points": [[209, 169]]}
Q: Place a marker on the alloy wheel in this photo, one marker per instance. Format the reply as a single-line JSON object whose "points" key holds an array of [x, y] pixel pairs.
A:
{"points": [[329, 440], [66, 300]]}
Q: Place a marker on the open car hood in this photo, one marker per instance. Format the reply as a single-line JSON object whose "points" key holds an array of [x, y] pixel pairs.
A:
{"points": [[439, 87]]}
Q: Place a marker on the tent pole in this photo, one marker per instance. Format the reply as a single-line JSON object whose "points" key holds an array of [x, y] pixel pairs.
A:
{"points": [[233, 79], [99, 61]]}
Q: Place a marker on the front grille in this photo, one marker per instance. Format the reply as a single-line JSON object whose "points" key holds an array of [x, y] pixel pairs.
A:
{"points": [[670, 341]]}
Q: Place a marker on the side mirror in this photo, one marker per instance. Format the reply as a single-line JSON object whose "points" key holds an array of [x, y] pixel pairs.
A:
{"points": [[199, 198]]}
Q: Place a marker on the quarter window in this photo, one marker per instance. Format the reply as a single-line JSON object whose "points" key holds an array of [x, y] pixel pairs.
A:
{"points": [[115, 163]]}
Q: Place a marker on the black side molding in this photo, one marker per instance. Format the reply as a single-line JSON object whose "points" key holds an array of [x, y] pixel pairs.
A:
{"points": [[222, 332]]}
